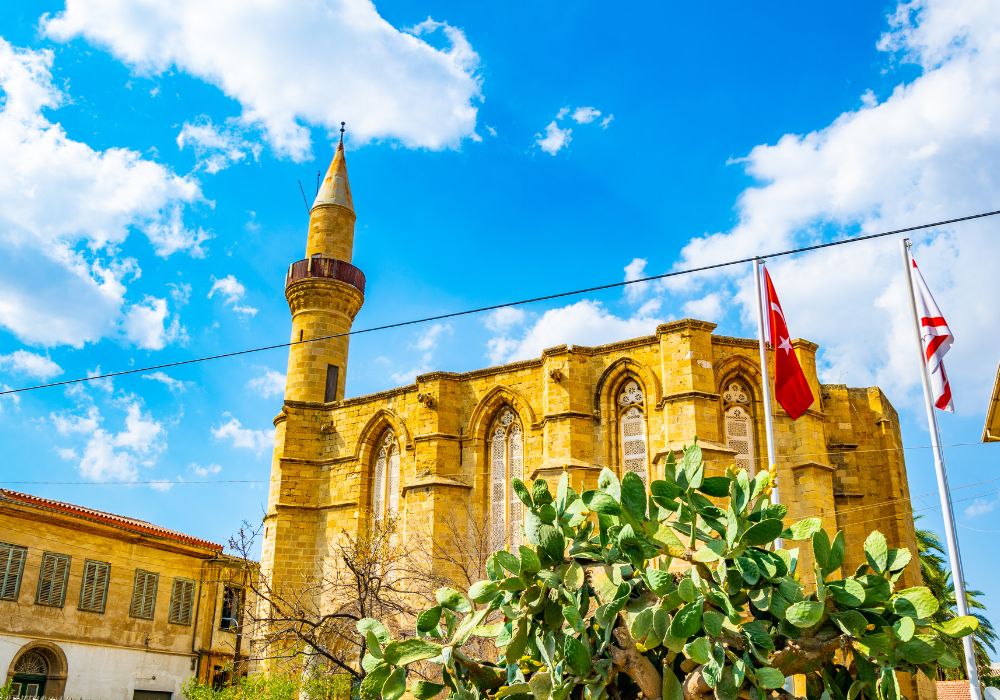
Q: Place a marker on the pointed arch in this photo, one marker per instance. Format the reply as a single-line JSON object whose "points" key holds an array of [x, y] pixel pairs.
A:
{"points": [[381, 474], [738, 384], [504, 451], [614, 376], [370, 434], [490, 404]]}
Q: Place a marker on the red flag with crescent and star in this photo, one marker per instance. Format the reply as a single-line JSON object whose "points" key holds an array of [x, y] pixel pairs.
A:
{"points": [[790, 386]]}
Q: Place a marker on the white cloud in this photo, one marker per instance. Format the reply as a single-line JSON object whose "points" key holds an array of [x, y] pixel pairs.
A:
{"points": [[204, 471], [585, 115], [231, 290], [180, 293], [146, 325], [926, 152], [118, 456], [67, 423], [503, 319], [583, 323], [390, 84], [981, 506], [269, 384], [707, 308], [216, 147], [30, 364], [232, 430], [176, 386], [428, 340], [637, 290], [64, 210], [12, 401], [67, 453], [557, 137]]}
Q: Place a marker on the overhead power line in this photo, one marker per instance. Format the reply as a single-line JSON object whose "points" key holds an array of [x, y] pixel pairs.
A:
{"points": [[519, 302]]}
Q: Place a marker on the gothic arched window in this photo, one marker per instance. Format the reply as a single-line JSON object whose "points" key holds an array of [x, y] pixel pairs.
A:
{"points": [[385, 477], [738, 424], [506, 458], [632, 430]]}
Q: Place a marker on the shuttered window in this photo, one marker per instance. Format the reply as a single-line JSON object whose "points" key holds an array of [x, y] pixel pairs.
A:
{"points": [[11, 567], [52, 579], [94, 586], [181, 601], [144, 594]]}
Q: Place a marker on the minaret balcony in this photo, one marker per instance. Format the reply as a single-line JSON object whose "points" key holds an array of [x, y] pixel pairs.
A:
{"points": [[325, 268]]}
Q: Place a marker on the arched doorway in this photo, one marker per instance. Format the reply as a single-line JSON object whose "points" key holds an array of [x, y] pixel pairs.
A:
{"points": [[38, 670]]}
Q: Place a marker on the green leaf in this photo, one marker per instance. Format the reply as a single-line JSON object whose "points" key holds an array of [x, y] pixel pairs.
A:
{"points": [[483, 591], [916, 602], [515, 649], [577, 655], [664, 536], [507, 561], [837, 550], [698, 650], [608, 482], [877, 551], [371, 686], [428, 620], [660, 582], [803, 529], [851, 622], [687, 621], [717, 486], [959, 626], [573, 578], [805, 613], [672, 689], [408, 651], [601, 502], [395, 685], [847, 592], [687, 590], [770, 678], [904, 628], [821, 548], [425, 690], [522, 492], [897, 559], [452, 599], [552, 541], [918, 650], [748, 570], [634, 494], [764, 532], [758, 634], [540, 493], [712, 621], [857, 687], [664, 493], [377, 628], [529, 560], [705, 555], [693, 465]]}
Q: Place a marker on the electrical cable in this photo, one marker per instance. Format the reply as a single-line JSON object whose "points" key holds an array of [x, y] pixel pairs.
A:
{"points": [[493, 307]]}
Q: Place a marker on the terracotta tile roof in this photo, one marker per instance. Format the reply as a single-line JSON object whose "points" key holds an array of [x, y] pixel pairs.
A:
{"points": [[100, 516], [953, 690]]}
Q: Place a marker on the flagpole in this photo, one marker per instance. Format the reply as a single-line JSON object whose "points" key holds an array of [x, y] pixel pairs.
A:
{"points": [[944, 492], [765, 378]]}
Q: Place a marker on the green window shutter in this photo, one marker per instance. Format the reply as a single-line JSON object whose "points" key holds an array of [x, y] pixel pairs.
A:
{"points": [[144, 594], [52, 579], [181, 601], [94, 586], [11, 568]]}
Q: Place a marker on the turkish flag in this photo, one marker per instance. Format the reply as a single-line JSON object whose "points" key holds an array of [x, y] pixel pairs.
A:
{"points": [[790, 386]]}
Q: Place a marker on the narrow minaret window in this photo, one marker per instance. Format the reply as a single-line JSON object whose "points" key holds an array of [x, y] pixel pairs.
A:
{"points": [[506, 459], [739, 425], [632, 431], [332, 376]]}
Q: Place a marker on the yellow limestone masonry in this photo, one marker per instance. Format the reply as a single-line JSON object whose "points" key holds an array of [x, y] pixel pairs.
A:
{"points": [[573, 408]]}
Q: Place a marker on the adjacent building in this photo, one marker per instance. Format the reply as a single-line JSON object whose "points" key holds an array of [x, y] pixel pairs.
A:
{"points": [[450, 443], [107, 607]]}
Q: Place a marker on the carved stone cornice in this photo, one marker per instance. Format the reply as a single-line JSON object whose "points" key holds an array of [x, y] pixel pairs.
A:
{"points": [[321, 294]]}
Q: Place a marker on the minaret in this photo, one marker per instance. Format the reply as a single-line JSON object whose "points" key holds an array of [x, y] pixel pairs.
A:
{"points": [[324, 292]]}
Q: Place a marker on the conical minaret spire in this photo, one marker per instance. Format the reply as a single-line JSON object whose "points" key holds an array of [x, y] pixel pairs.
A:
{"points": [[336, 188], [332, 216]]}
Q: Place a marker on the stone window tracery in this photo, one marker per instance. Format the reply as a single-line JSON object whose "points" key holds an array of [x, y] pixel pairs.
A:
{"points": [[32, 663], [632, 430], [738, 424], [506, 458], [385, 477]]}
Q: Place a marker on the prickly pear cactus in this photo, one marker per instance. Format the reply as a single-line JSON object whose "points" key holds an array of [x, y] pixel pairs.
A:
{"points": [[598, 607]]}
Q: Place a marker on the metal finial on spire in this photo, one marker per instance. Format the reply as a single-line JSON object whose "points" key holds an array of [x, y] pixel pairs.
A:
{"points": [[342, 125]]}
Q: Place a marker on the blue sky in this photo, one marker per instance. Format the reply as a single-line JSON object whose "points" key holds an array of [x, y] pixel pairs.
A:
{"points": [[149, 207]]}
